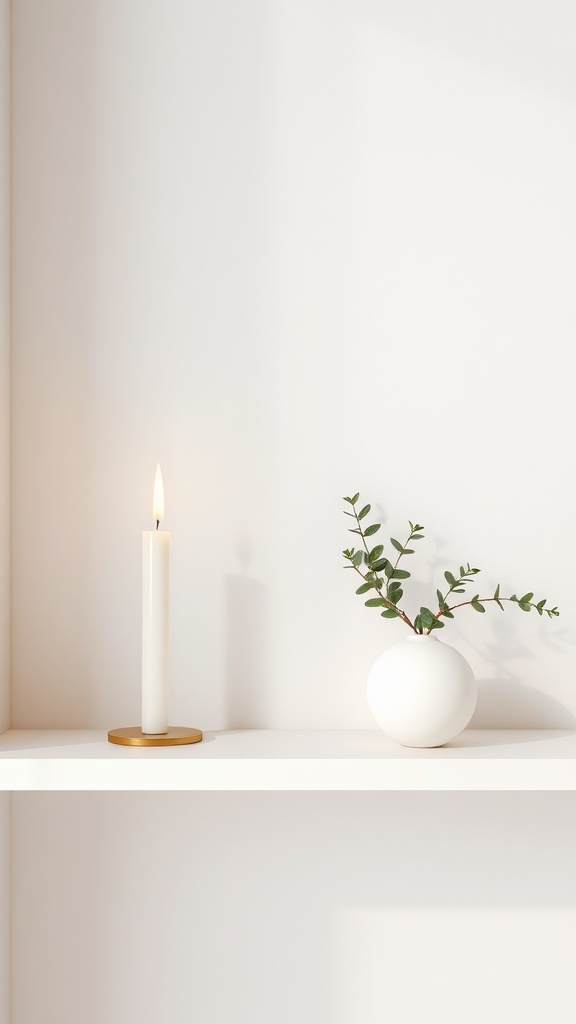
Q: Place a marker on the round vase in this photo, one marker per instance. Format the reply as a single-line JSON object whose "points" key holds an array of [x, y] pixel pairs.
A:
{"points": [[421, 692]]}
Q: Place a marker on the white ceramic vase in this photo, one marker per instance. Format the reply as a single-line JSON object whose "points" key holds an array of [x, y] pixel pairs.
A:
{"points": [[421, 692]]}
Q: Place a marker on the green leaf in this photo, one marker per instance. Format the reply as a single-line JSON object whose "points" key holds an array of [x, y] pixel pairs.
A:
{"points": [[352, 501], [407, 551], [380, 564], [497, 593], [365, 588], [524, 606], [437, 624], [526, 599], [357, 558], [477, 606], [390, 613], [396, 544], [427, 617], [371, 529], [389, 570], [400, 574], [375, 602], [447, 613], [376, 552], [417, 536], [418, 624], [450, 579], [364, 512]]}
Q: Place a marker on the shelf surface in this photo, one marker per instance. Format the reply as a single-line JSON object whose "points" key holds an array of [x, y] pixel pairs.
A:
{"points": [[260, 759]]}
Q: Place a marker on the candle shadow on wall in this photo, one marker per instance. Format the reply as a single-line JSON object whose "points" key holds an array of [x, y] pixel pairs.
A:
{"points": [[245, 672]]}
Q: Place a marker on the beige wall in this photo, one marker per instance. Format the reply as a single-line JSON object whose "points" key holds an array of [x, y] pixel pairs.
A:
{"points": [[5, 364], [5, 832], [5, 908]]}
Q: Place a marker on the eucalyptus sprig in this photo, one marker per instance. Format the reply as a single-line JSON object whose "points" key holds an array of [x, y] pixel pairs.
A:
{"points": [[383, 576]]}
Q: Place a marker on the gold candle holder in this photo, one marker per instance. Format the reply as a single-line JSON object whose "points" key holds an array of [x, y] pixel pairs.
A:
{"points": [[134, 737]]}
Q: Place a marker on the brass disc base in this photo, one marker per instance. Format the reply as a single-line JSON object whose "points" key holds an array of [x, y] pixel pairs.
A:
{"points": [[134, 737]]}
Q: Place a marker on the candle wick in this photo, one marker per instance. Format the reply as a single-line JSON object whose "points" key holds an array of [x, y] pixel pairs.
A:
{"points": [[157, 523]]}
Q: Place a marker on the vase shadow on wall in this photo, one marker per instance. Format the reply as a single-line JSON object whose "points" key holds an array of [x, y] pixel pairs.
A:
{"points": [[245, 668], [506, 704]]}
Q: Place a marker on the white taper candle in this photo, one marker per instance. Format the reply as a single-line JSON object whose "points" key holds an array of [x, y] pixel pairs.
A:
{"points": [[155, 604]]}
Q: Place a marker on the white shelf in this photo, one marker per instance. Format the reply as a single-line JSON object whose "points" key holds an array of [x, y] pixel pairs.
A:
{"points": [[497, 759]]}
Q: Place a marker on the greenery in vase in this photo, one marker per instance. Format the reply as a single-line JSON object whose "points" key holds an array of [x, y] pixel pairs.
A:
{"points": [[385, 578]]}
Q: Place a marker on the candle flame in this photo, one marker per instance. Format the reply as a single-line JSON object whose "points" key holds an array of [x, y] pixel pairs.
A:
{"points": [[158, 501]]}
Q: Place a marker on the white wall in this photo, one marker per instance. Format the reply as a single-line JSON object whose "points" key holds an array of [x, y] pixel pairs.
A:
{"points": [[254, 908], [290, 250]]}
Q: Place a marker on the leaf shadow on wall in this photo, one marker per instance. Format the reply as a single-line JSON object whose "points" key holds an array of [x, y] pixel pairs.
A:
{"points": [[504, 701], [245, 672], [508, 645], [507, 704]]}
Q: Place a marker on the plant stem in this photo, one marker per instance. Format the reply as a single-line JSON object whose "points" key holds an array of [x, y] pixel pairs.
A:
{"points": [[462, 604], [402, 615], [361, 532], [395, 566]]}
